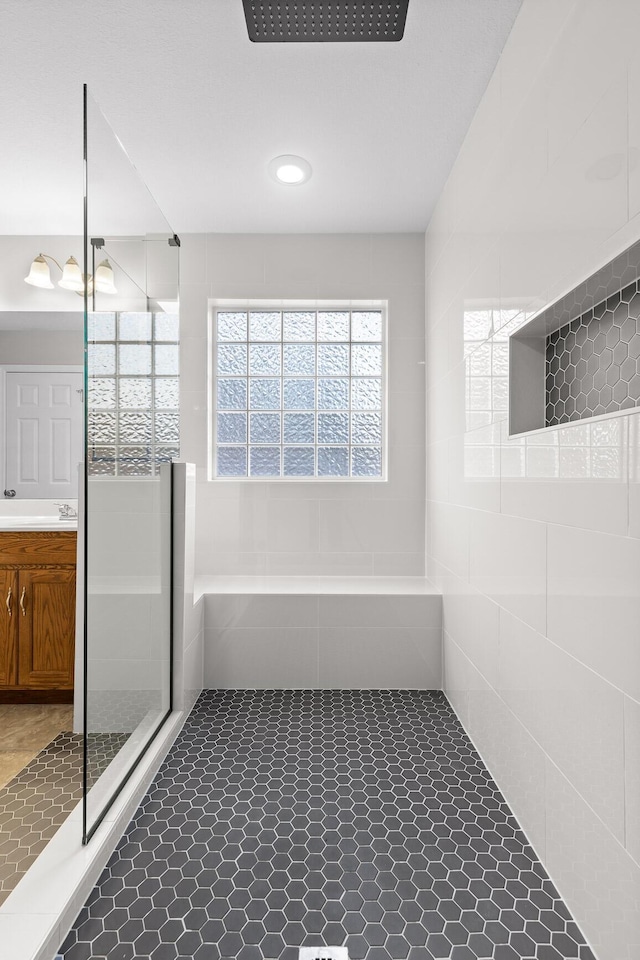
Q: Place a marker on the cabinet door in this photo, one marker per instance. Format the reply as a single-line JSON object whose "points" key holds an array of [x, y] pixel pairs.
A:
{"points": [[8, 627], [46, 614]]}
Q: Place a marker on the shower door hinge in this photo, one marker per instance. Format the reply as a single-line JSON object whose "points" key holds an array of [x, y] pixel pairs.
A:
{"points": [[174, 241]]}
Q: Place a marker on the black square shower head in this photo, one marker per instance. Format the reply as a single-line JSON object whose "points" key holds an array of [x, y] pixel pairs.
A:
{"points": [[325, 21]]}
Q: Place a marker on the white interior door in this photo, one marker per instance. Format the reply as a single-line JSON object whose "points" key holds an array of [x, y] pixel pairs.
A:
{"points": [[43, 433]]}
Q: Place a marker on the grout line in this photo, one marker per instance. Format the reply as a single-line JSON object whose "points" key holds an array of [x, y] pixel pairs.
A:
{"points": [[624, 771], [318, 641], [546, 581]]}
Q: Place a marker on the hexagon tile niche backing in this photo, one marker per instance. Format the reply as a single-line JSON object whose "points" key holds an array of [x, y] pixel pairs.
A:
{"points": [[288, 818], [593, 363]]}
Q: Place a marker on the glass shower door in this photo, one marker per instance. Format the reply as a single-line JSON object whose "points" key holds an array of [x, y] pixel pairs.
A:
{"points": [[132, 435]]}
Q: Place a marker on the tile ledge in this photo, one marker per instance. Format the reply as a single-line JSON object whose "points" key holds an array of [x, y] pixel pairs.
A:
{"points": [[353, 586]]}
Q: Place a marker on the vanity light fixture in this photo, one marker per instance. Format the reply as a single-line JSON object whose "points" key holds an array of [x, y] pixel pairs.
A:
{"points": [[40, 275], [72, 277], [104, 280], [290, 169]]}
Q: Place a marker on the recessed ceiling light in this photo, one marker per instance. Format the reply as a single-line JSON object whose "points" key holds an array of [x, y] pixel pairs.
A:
{"points": [[608, 168], [290, 170]]}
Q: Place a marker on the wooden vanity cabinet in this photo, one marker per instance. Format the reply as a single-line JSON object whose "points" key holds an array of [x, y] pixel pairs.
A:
{"points": [[37, 616], [9, 586]]}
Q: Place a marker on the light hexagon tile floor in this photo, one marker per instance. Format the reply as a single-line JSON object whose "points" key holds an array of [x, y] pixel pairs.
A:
{"points": [[35, 803], [288, 818]]}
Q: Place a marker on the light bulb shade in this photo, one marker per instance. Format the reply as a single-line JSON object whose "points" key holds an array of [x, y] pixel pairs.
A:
{"points": [[39, 275], [72, 276], [104, 279], [290, 169]]}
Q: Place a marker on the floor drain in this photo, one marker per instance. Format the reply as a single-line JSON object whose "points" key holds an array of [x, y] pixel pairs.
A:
{"points": [[323, 953]]}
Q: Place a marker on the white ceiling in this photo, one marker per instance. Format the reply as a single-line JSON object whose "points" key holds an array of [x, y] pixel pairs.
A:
{"points": [[201, 111]]}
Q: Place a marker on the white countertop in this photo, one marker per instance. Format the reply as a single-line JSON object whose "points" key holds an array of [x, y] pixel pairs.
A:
{"points": [[17, 524], [24, 514]]}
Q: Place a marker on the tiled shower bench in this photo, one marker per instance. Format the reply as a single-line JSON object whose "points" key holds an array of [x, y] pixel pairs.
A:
{"points": [[321, 632]]}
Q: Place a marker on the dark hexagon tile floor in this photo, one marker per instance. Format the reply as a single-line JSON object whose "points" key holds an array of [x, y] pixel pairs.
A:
{"points": [[288, 818]]}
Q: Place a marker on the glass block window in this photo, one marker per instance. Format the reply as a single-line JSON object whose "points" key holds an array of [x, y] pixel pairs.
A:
{"points": [[132, 404], [299, 393]]}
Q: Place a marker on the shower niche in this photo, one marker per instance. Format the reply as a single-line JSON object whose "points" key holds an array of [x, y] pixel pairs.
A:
{"points": [[579, 357]]}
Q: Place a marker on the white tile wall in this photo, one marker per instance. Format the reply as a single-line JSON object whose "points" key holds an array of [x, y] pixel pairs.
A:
{"points": [[513, 755], [188, 613], [449, 533], [127, 603], [634, 475], [632, 776], [374, 658], [119, 626], [396, 564], [594, 602], [581, 858], [535, 543], [472, 621], [456, 678], [310, 528], [261, 657], [327, 640], [570, 711], [507, 562], [599, 505]]}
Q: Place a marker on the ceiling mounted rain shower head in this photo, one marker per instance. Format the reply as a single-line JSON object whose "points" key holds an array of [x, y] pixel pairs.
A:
{"points": [[325, 21]]}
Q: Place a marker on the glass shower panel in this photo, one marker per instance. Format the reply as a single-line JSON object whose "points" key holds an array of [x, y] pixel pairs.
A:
{"points": [[132, 436]]}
